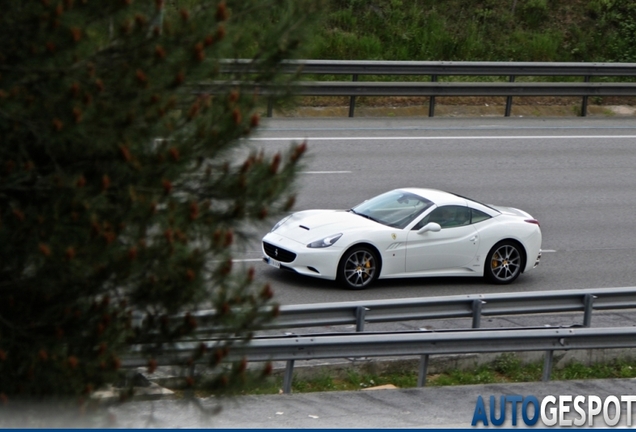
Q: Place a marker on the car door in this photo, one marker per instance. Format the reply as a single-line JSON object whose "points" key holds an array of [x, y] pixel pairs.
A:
{"points": [[454, 246]]}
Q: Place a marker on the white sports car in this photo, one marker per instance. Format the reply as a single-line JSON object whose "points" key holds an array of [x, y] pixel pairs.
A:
{"points": [[407, 232]]}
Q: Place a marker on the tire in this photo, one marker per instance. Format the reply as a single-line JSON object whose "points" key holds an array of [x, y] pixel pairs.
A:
{"points": [[358, 268], [504, 263]]}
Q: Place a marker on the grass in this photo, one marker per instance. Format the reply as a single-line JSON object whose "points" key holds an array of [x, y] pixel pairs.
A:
{"points": [[471, 30], [479, 30], [507, 368]]}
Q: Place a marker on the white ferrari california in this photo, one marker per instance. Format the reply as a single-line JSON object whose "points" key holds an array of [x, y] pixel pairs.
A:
{"points": [[407, 232]]}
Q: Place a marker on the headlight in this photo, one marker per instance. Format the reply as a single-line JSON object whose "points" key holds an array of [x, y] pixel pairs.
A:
{"points": [[280, 222], [326, 242]]}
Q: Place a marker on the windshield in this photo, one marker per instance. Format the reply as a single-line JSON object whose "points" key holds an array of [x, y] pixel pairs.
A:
{"points": [[395, 209]]}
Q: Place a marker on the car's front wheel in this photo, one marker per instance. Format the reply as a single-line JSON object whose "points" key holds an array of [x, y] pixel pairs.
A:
{"points": [[503, 264], [358, 268]]}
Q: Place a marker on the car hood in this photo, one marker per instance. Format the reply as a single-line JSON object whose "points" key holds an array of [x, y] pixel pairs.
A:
{"points": [[307, 226]]}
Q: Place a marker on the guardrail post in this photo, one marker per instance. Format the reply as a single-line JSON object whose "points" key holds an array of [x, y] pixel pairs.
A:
{"points": [[547, 366], [584, 103], [509, 99], [352, 99], [431, 101], [588, 301], [477, 313], [287, 378], [421, 377], [270, 106], [361, 312]]}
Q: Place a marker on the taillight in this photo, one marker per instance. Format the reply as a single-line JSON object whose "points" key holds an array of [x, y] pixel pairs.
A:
{"points": [[532, 221]]}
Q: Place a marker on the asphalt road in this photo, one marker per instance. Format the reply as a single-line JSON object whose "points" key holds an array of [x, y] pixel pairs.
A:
{"points": [[577, 176]]}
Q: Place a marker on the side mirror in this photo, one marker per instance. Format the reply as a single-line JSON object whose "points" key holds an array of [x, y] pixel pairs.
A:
{"points": [[431, 226]]}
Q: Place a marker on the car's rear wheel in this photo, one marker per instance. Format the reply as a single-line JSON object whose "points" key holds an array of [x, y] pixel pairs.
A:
{"points": [[503, 264], [358, 268]]}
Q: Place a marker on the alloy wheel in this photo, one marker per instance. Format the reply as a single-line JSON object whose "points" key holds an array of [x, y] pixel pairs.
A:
{"points": [[359, 268], [505, 263]]}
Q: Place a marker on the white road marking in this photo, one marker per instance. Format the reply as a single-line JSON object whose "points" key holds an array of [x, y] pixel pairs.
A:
{"points": [[325, 172], [455, 128], [428, 138], [589, 249]]}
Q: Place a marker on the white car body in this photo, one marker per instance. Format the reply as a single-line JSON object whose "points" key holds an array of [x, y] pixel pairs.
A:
{"points": [[404, 251]]}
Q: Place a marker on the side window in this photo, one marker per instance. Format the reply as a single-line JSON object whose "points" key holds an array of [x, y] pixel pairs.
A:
{"points": [[447, 217], [421, 223], [478, 216]]}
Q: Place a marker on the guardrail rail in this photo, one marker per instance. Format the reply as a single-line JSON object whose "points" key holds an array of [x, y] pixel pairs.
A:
{"points": [[473, 306]]}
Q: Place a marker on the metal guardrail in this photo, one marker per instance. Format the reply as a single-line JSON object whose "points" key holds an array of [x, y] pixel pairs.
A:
{"points": [[424, 343], [436, 69], [447, 307], [410, 343], [374, 88], [374, 67]]}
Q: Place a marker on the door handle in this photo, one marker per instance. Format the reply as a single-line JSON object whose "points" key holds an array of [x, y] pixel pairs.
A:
{"points": [[473, 238]]}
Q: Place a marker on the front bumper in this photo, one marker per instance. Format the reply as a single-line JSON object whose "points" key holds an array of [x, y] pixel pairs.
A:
{"points": [[287, 254]]}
